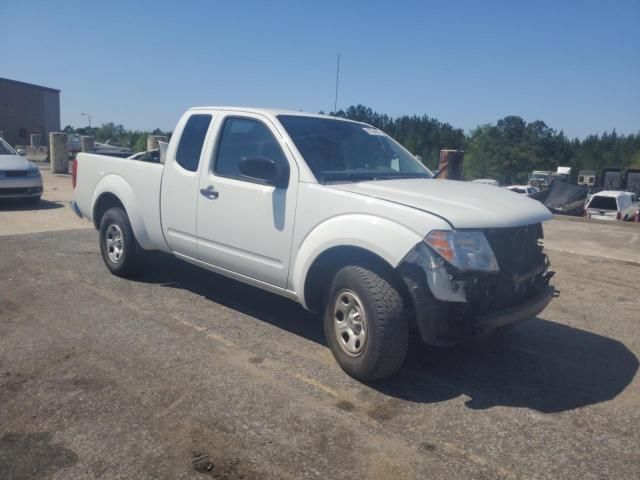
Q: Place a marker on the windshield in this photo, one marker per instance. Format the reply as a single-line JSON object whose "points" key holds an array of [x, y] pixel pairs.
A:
{"points": [[5, 148], [339, 150]]}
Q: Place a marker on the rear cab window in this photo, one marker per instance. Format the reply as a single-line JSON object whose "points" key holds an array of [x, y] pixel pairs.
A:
{"points": [[191, 141]]}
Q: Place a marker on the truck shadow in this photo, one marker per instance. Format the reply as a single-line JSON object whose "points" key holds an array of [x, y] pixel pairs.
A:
{"points": [[274, 309], [539, 364]]}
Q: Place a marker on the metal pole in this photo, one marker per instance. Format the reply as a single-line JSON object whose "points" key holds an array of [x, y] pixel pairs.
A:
{"points": [[335, 102], [89, 116]]}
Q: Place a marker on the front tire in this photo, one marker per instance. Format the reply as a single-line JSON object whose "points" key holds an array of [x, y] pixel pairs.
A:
{"points": [[120, 250], [365, 323]]}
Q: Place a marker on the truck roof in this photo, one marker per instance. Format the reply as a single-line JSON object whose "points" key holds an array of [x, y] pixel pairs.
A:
{"points": [[269, 111], [612, 193]]}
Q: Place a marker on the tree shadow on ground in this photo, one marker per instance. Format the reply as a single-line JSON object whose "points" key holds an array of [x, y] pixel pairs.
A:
{"points": [[538, 364], [32, 455]]}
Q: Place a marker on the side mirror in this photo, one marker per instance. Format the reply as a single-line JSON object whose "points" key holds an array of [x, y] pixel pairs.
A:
{"points": [[264, 170]]}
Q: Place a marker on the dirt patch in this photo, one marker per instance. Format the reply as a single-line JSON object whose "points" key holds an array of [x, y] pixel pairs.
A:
{"points": [[386, 411], [345, 405], [427, 447]]}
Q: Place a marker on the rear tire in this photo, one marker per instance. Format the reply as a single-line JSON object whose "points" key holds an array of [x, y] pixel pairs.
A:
{"points": [[365, 323], [120, 251]]}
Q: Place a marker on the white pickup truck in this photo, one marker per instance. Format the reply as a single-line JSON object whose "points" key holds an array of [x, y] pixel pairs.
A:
{"points": [[333, 214]]}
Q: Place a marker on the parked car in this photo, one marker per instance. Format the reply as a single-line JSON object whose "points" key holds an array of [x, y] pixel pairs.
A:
{"points": [[608, 205], [19, 178], [632, 213], [523, 189], [333, 214]]}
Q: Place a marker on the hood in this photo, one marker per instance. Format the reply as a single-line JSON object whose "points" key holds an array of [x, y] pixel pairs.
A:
{"points": [[13, 162], [462, 204]]}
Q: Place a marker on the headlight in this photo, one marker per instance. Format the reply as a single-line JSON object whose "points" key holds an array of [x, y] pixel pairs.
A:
{"points": [[464, 250], [33, 171]]}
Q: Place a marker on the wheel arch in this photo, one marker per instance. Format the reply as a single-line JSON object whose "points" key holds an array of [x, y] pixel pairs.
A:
{"points": [[103, 203], [325, 266], [114, 191], [368, 239]]}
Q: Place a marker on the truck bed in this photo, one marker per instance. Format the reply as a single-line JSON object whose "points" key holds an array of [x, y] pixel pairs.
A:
{"points": [[138, 186]]}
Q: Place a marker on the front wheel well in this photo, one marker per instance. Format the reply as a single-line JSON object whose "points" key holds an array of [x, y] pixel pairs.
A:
{"points": [[327, 264], [105, 202]]}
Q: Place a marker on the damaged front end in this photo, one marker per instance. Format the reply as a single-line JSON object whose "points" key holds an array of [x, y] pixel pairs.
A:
{"points": [[464, 284]]}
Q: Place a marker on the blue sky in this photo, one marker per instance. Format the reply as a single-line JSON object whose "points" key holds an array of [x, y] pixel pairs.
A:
{"points": [[575, 65]]}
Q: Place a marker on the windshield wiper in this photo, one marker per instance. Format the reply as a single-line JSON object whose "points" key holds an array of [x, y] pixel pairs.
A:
{"points": [[400, 176], [355, 176], [347, 176]]}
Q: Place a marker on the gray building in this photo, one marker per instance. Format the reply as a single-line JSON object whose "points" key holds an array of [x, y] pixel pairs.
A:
{"points": [[27, 109]]}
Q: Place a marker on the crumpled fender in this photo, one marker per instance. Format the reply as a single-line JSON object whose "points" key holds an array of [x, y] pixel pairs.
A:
{"points": [[441, 285]]}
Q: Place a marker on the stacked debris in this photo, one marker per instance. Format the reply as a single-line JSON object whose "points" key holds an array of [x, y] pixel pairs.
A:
{"points": [[563, 198]]}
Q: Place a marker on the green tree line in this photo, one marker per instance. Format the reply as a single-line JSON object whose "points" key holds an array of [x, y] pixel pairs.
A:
{"points": [[507, 151]]}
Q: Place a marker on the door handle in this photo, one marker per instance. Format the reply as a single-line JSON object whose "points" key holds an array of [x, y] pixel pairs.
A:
{"points": [[209, 192]]}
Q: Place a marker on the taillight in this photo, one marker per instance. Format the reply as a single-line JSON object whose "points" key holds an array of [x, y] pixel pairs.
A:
{"points": [[74, 173]]}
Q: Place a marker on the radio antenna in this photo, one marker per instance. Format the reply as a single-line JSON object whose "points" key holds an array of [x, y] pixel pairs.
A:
{"points": [[335, 102]]}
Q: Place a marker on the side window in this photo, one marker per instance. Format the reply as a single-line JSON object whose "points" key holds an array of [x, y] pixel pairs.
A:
{"points": [[191, 141], [244, 138]]}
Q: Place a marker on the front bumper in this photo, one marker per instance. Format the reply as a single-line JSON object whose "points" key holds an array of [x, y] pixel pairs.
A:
{"points": [[471, 308], [20, 187], [492, 321]]}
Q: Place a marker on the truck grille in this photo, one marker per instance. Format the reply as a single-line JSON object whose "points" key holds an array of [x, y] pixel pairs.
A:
{"points": [[13, 173], [517, 249]]}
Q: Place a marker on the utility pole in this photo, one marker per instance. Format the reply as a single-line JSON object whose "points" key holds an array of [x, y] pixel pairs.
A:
{"points": [[89, 116], [335, 102]]}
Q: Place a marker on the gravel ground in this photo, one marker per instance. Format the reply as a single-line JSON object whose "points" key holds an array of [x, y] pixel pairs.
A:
{"points": [[185, 374], [51, 214]]}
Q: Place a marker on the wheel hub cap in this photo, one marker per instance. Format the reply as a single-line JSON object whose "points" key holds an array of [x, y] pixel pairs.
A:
{"points": [[115, 243], [349, 321]]}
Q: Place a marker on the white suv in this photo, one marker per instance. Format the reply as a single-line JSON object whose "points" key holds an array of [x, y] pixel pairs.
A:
{"points": [[608, 205]]}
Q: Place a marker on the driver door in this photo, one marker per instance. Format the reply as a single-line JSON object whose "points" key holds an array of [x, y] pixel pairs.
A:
{"points": [[245, 226]]}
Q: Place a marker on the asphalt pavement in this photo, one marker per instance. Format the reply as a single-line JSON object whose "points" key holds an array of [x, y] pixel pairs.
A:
{"points": [[182, 373]]}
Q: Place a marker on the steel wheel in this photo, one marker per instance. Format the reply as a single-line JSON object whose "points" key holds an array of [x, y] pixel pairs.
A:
{"points": [[115, 243], [350, 323]]}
